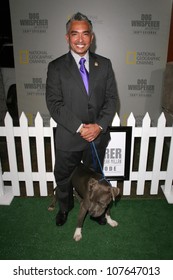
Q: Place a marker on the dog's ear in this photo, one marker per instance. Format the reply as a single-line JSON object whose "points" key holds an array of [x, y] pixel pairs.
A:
{"points": [[114, 192], [92, 186]]}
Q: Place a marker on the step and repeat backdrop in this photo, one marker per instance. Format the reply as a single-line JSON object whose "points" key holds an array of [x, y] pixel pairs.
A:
{"points": [[134, 34]]}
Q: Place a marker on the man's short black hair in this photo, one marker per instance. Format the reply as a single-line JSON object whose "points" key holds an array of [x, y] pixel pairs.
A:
{"points": [[79, 17]]}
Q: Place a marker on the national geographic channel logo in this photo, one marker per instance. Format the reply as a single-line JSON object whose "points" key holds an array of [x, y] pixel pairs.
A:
{"points": [[142, 58], [141, 88], [35, 88], [29, 57], [34, 24], [145, 25]]}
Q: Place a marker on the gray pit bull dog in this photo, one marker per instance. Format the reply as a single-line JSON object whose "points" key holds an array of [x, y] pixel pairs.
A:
{"points": [[95, 195]]}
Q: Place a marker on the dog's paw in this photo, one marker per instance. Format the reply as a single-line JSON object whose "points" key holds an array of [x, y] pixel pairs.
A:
{"points": [[78, 234], [111, 222]]}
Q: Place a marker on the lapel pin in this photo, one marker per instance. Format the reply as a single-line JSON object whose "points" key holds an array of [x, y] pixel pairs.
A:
{"points": [[96, 64]]}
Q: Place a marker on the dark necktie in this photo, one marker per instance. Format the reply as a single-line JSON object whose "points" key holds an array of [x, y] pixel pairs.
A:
{"points": [[84, 73]]}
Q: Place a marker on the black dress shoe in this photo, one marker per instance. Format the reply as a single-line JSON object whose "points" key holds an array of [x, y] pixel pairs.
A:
{"points": [[101, 220], [61, 218]]}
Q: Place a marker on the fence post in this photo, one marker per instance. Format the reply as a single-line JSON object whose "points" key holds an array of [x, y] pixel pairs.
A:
{"points": [[127, 184], [158, 154], [12, 154], [26, 154], [6, 194], [168, 187], [143, 154], [116, 120], [40, 154], [1, 182]]}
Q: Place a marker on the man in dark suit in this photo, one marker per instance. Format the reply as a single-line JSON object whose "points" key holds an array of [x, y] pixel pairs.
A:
{"points": [[82, 114]]}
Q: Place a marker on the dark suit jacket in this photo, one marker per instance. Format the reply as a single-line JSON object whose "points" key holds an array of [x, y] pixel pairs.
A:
{"points": [[69, 105]]}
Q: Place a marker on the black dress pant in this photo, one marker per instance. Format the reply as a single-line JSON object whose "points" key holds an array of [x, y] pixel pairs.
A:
{"points": [[65, 163]]}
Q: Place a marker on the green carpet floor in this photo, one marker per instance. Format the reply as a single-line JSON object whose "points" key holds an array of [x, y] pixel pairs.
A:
{"points": [[145, 231]]}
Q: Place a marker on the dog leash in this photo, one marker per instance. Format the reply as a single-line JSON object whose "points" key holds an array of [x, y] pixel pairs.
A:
{"points": [[93, 149]]}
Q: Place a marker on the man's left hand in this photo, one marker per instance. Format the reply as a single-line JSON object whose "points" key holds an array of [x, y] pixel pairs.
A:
{"points": [[90, 131]]}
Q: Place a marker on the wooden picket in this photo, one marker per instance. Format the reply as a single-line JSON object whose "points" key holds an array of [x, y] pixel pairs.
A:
{"points": [[42, 176], [158, 154], [26, 155]]}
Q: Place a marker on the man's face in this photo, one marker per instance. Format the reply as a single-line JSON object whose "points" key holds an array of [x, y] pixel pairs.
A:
{"points": [[79, 37]]}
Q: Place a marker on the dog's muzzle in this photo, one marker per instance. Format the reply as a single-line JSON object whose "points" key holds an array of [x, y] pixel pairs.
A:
{"points": [[96, 210]]}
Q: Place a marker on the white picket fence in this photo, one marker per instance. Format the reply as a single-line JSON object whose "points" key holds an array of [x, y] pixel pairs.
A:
{"points": [[39, 132]]}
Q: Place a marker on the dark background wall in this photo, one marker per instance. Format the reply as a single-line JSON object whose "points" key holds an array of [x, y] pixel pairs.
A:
{"points": [[5, 23]]}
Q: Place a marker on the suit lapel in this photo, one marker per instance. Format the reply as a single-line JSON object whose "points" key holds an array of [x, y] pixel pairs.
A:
{"points": [[72, 67], [93, 70]]}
